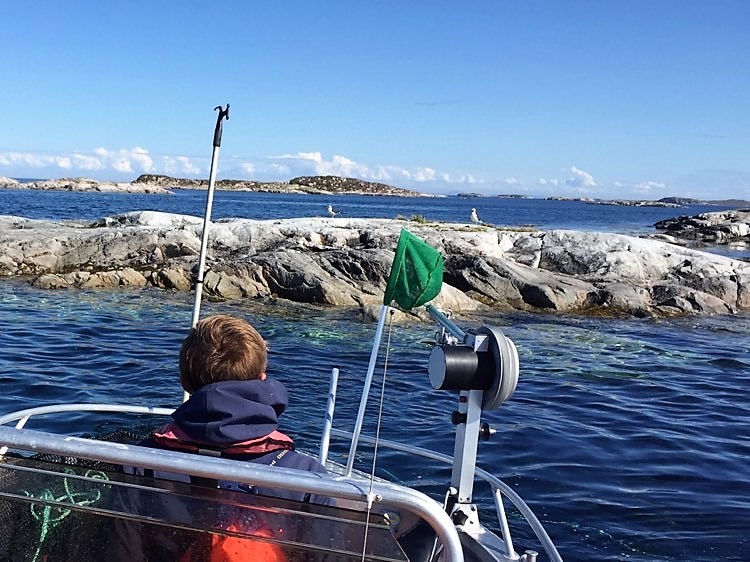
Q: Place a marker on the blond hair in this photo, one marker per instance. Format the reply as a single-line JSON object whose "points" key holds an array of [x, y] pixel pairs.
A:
{"points": [[221, 348]]}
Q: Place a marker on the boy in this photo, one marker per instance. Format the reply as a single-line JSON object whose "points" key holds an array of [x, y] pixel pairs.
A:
{"points": [[234, 406], [232, 413]]}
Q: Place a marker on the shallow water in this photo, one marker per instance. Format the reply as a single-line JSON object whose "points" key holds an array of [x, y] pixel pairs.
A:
{"points": [[628, 438]]}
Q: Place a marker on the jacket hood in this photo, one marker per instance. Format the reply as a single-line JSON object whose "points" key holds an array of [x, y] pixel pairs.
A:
{"points": [[232, 411]]}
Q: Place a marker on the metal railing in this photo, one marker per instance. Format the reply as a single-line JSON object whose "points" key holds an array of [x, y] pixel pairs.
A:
{"points": [[499, 488], [385, 494], [388, 494]]}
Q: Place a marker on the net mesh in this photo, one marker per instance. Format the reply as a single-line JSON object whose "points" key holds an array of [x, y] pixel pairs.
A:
{"points": [[68, 509]]}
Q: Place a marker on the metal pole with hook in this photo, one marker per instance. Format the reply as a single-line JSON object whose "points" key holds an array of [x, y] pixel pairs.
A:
{"points": [[223, 114]]}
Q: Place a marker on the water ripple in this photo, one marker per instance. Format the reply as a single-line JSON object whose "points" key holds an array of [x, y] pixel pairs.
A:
{"points": [[627, 437]]}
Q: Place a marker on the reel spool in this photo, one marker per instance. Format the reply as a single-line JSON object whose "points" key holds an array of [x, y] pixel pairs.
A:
{"points": [[492, 366]]}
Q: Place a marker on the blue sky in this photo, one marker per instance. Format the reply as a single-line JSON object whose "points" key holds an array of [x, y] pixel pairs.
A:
{"points": [[600, 98]]}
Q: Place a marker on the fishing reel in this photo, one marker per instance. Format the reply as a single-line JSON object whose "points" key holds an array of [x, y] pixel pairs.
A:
{"points": [[482, 365], [483, 360]]}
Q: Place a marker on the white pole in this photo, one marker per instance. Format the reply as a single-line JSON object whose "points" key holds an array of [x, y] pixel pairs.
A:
{"points": [[204, 240], [223, 114], [366, 390], [325, 439]]}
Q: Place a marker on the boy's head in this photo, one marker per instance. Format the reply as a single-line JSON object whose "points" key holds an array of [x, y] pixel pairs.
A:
{"points": [[221, 348]]}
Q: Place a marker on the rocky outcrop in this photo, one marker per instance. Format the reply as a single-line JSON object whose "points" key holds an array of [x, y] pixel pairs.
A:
{"points": [[87, 184], [336, 184], [169, 182], [303, 184], [665, 202], [346, 262], [155, 183], [722, 227]]}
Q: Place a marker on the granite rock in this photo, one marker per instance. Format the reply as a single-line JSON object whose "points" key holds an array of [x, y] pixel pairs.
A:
{"points": [[346, 262]]}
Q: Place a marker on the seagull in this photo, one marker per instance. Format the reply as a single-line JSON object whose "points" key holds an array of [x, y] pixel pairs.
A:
{"points": [[332, 212], [475, 217]]}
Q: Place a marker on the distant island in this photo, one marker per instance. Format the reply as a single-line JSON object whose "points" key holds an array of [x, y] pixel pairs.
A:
{"points": [[315, 185], [301, 184], [153, 183], [499, 196], [663, 202]]}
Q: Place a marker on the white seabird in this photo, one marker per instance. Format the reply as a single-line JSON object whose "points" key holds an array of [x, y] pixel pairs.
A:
{"points": [[332, 212], [474, 216]]}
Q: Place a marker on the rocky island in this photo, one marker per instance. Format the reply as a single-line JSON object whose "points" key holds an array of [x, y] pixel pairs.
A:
{"points": [[345, 262], [84, 184], [153, 183]]}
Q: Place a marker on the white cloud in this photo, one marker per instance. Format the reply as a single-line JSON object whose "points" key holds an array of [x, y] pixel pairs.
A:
{"points": [[179, 165], [125, 160], [342, 166], [580, 178], [32, 160], [125, 163], [64, 162], [549, 181], [83, 162], [460, 179], [121, 161], [122, 165], [313, 163], [423, 174], [281, 169], [142, 156], [313, 156], [647, 186]]}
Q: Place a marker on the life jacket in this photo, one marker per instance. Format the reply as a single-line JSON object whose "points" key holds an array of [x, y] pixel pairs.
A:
{"points": [[172, 437], [231, 548], [238, 549]]}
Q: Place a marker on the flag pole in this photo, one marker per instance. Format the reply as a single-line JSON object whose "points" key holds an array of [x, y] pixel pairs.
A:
{"points": [[366, 389], [415, 278]]}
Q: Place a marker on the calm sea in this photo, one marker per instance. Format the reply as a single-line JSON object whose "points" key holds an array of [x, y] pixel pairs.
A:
{"points": [[630, 439]]}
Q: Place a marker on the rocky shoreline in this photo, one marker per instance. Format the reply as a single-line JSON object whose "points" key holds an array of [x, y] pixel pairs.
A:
{"points": [[345, 262]]}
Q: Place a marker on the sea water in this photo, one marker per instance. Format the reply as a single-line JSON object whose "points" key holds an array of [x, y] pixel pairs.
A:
{"points": [[629, 438]]}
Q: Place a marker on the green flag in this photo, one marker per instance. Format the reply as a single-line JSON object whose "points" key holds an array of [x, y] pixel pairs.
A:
{"points": [[416, 274]]}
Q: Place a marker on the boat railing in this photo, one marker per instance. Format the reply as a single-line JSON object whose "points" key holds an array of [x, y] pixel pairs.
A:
{"points": [[499, 489], [384, 495]]}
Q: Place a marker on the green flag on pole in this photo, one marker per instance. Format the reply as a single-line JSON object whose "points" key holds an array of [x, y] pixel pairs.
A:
{"points": [[416, 274]]}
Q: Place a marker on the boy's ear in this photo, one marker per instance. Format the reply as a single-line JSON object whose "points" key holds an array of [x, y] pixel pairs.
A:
{"points": [[262, 376]]}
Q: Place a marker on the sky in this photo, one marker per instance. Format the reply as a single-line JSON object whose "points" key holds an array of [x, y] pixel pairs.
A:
{"points": [[633, 99]]}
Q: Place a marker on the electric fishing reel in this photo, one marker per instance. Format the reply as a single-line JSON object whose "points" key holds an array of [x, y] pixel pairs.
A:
{"points": [[483, 360]]}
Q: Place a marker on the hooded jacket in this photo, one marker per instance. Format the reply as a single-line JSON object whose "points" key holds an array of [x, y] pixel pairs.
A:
{"points": [[238, 420]]}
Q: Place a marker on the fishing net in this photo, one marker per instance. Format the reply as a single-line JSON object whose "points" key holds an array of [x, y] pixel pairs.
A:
{"points": [[67, 509], [42, 501], [416, 274]]}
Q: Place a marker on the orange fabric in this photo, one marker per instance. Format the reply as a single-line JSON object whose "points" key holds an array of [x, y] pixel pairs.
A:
{"points": [[239, 549], [236, 549]]}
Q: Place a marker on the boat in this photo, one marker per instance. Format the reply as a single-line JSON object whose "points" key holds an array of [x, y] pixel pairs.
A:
{"points": [[66, 497]]}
